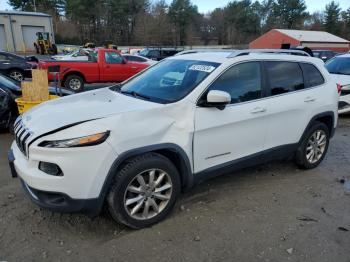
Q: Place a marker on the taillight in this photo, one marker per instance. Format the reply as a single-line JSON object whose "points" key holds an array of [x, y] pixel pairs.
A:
{"points": [[339, 86]]}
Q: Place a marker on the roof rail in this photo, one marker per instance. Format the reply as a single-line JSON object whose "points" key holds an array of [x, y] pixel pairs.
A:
{"points": [[268, 51]]}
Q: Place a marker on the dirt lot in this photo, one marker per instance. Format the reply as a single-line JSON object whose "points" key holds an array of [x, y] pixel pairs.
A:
{"points": [[273, 212]]}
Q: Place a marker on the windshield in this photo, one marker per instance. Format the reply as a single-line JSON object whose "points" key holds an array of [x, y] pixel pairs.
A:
{"points": [[339, 65], [169, 81]]}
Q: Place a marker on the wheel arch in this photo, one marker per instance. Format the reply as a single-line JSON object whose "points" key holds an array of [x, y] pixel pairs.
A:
{"points": [[171, 151], [326, 118], [14, 68]]}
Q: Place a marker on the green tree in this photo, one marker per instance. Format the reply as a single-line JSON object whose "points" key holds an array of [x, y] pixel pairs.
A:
{"points": [[345, 16], [242, 20], [332, 18], [289, 14], [54, 7], [182, 13]]}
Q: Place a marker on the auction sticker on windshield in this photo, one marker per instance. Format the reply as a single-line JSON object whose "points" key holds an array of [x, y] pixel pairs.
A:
{"points": [[202, 68]]}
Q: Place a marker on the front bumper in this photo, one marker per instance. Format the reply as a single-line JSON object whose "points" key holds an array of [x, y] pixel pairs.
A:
{"points": [[28, 73], [59, 202], [78, 190]]}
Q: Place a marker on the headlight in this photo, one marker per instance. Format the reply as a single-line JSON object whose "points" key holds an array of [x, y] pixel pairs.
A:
{"points": [[77, 142]]}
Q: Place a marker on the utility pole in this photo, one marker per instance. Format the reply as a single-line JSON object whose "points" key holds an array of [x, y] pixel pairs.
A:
{"points": [[34, 6]]}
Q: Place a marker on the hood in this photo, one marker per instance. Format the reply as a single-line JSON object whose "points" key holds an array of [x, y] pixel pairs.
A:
{"points": [[78, 108]]}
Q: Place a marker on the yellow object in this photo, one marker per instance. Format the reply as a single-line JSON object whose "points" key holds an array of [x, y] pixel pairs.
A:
{"points": [[24, 106]]}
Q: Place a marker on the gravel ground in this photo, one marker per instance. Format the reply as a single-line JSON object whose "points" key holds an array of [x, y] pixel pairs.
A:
{"points": [[273, 212]]}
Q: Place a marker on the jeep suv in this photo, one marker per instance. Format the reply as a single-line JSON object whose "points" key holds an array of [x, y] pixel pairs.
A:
{"points": [[135, 146]]}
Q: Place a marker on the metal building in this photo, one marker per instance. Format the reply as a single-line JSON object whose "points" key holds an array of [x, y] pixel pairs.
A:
{"points": [[18, 29], [275, 38]]}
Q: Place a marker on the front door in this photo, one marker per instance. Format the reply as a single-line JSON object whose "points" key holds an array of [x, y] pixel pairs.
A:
{"points": [[114, 67], [237, 131]]}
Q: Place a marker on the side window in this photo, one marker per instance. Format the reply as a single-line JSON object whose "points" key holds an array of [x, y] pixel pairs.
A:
{"points": [[113, 58], [129, 58], [242, 82], [284, 77], [313, 77]]}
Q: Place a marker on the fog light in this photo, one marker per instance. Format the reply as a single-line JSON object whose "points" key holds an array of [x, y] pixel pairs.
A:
{"points": [[50, 168]]}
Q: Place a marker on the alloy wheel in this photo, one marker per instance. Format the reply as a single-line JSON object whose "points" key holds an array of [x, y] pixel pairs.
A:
{"points": [[16, 75], [148, 194], [316, 146]]}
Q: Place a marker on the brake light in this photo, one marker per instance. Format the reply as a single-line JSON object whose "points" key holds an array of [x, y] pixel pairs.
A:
{"points": [[339, 86]]}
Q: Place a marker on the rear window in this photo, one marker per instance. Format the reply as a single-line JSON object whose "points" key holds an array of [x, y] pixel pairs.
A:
{"points": [[284, 77], [313, 77]]}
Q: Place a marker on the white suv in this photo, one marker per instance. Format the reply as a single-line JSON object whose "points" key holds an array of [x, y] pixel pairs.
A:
{"points": [[137, 145]]}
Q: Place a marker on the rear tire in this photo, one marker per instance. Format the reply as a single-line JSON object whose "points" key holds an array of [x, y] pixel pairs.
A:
{"points": [[74, 83], [149, 182], [313, 147], [16, 74]]}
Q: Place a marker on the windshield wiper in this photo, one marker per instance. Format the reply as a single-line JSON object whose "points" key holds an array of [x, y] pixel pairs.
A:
{"points": [[135, 94], [116, 87]]}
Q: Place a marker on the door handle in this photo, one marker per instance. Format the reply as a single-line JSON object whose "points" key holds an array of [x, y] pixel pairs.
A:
{"points": [[134, 67], [258, 110], [309, 99], [107, 66]]}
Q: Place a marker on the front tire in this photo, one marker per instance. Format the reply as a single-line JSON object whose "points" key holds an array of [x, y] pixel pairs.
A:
{"points": [[74, 83], [144, 191], [313, 147]]}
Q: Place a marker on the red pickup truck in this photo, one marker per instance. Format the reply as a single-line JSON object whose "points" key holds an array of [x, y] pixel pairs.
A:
{"points": [[104, 65]]}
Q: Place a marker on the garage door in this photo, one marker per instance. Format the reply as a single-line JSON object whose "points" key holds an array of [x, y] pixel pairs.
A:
{"points": [[29, 35], [2, 38]]}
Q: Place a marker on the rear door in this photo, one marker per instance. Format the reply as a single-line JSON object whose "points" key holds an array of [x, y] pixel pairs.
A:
{"points": [[292, 101]]}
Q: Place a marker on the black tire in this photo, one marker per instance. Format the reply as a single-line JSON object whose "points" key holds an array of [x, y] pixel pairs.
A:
{"points": [[16, 74], [301, 153], [131, 169], [68, 83]]}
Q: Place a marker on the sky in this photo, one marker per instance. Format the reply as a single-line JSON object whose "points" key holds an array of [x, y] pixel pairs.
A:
{"points": [[207, 5]]}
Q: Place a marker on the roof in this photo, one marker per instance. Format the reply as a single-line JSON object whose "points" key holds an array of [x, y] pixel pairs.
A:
{"points": [[312, 36], [221, 57], [2, 12]]}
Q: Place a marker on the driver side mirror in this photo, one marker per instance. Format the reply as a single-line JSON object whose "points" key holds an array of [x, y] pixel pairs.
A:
{"points": [[218, 99]]}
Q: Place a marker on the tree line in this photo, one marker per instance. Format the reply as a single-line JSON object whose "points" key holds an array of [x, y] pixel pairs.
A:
{"points": [[145, 22]]}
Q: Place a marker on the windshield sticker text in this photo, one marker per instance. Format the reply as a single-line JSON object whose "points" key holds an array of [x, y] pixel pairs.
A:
{"points": [[203, 68]]}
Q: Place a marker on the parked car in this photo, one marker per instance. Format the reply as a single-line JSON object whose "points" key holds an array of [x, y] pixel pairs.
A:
{"points": [[81, 54], [158, 54], [10, 90], [104, 65], [138, 144], [325, 55], [16, 67], [140, 59], [339, 68]]}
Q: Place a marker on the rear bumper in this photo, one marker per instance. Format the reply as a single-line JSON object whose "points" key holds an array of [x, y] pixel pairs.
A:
{"points": [[344, 104], [28, 73]]}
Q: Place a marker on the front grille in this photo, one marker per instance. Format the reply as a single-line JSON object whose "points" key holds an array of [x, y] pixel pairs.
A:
{"points": [[21, 136]]}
